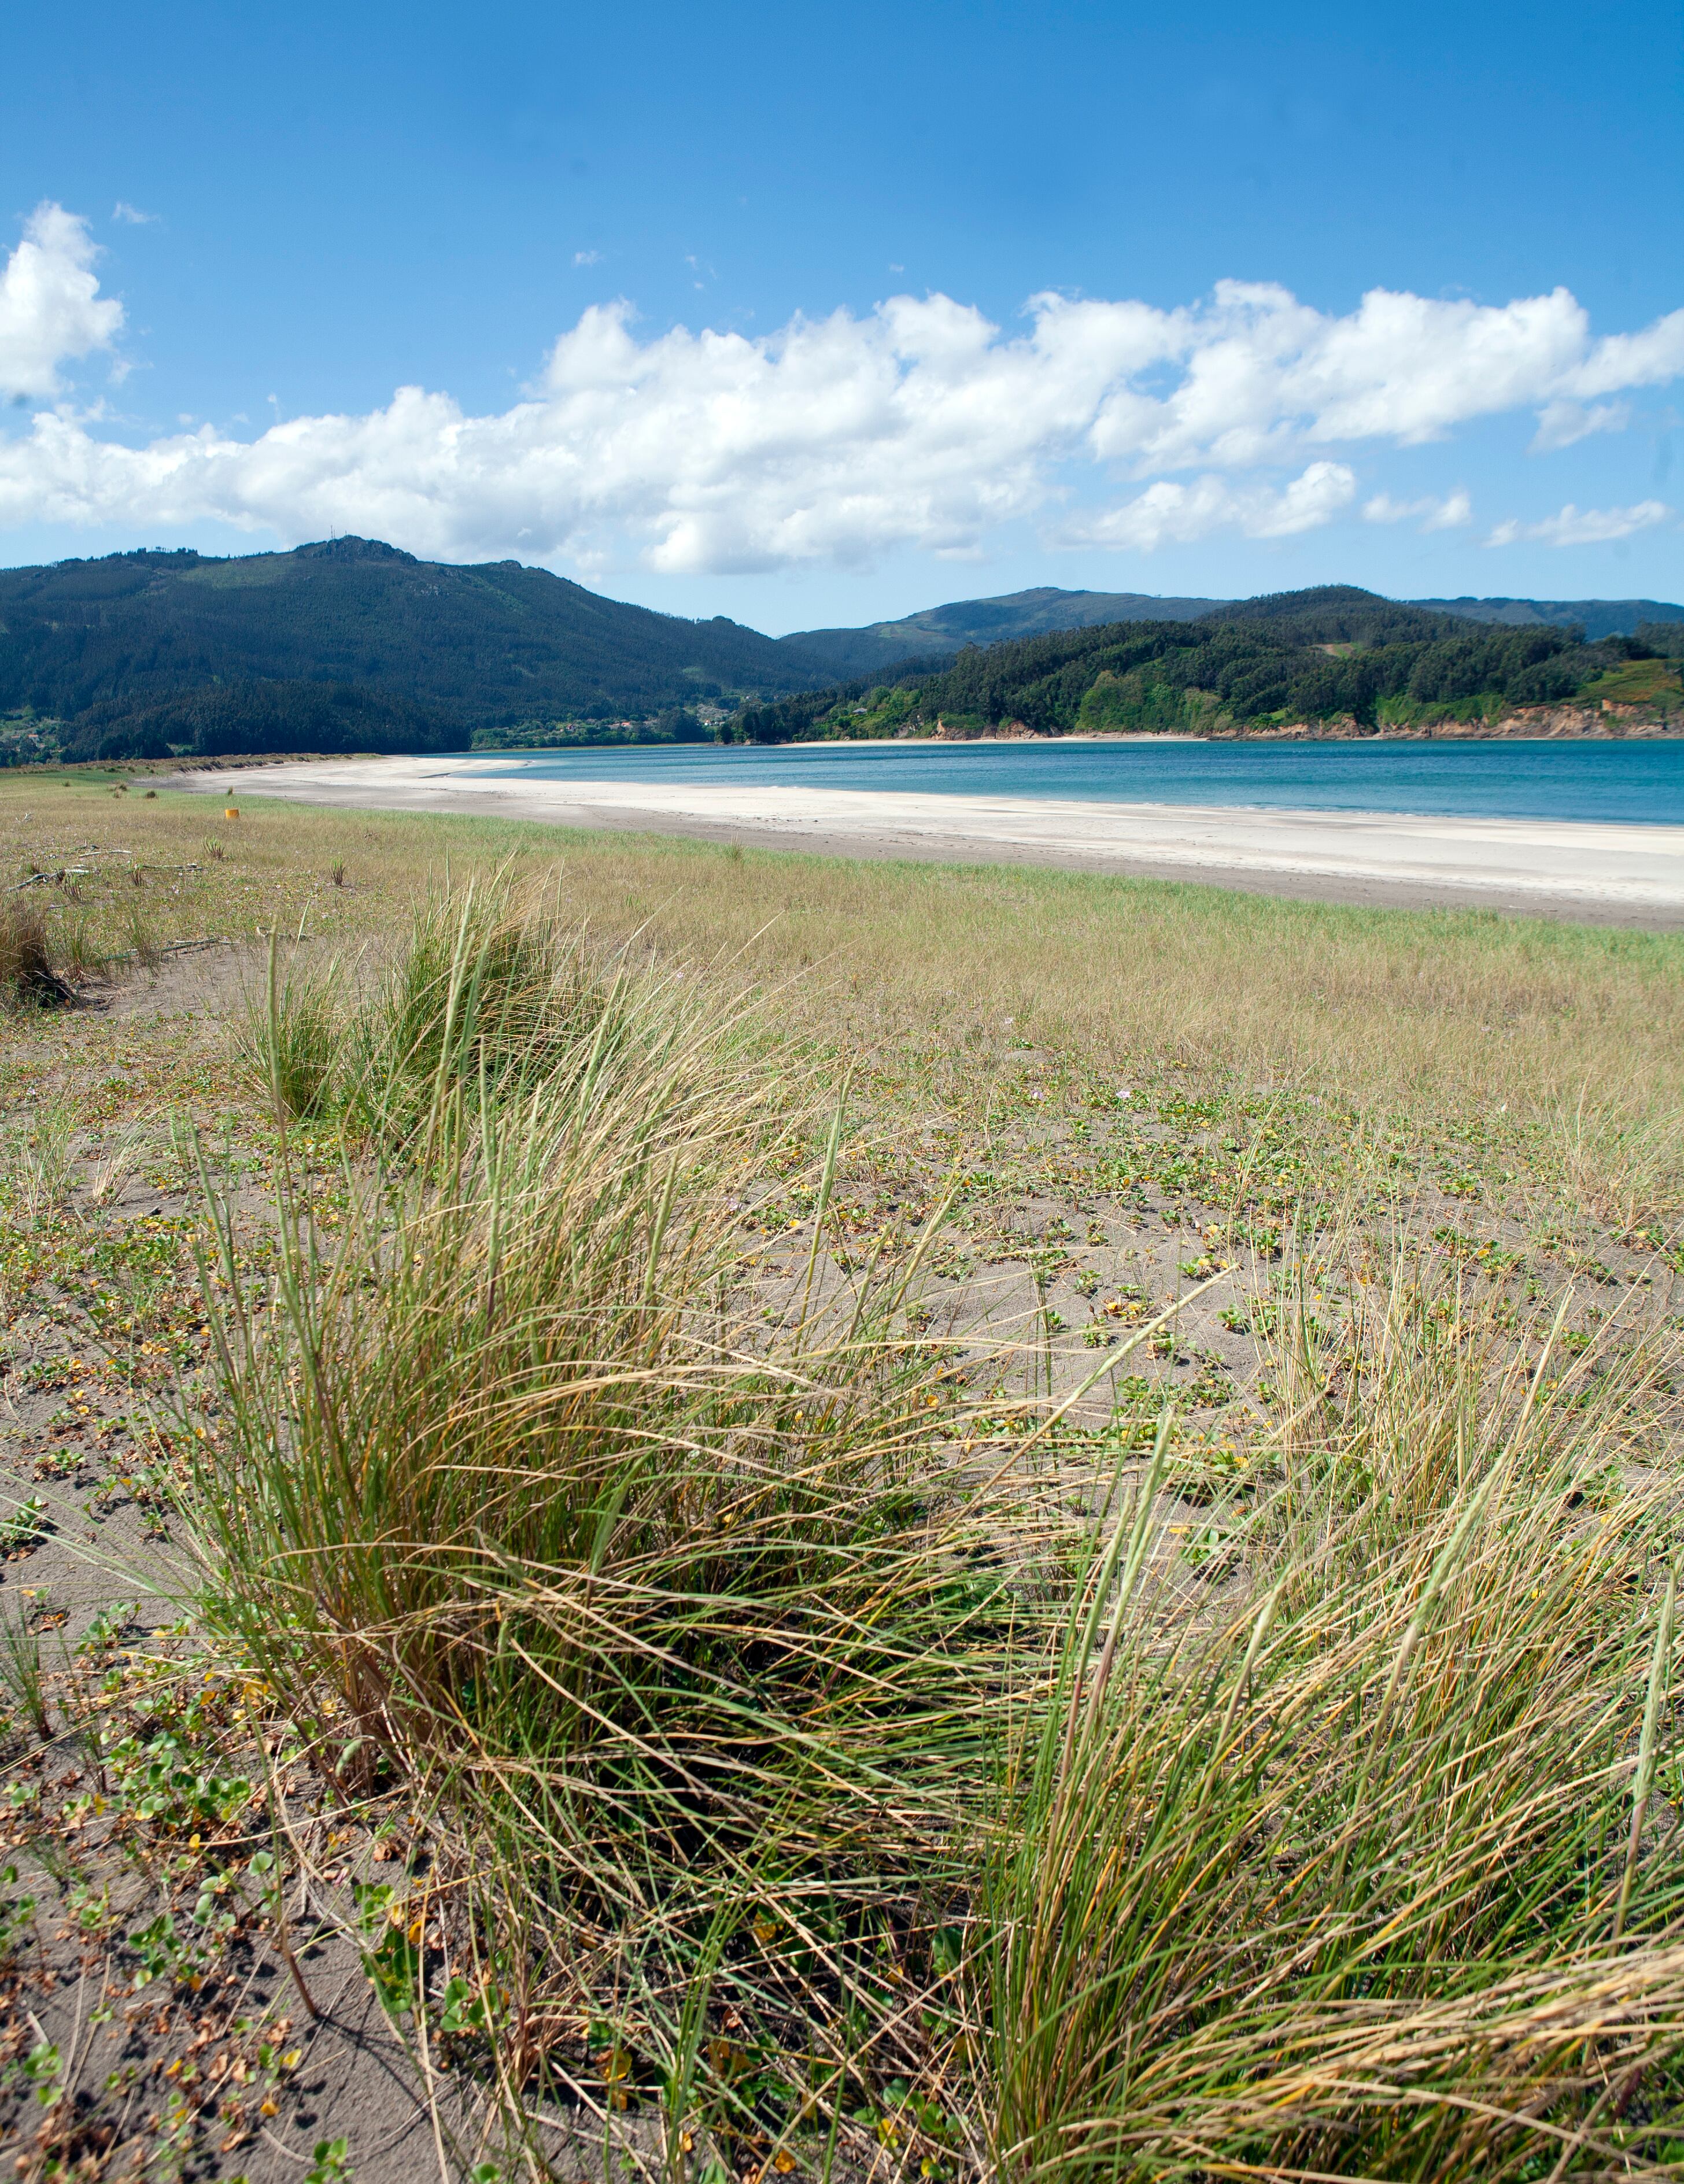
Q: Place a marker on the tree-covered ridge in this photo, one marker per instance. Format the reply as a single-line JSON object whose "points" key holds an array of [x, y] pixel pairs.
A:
{"points": [[880, 649], [876, 650], [437, 650], [1334, 654], [353, 645]]}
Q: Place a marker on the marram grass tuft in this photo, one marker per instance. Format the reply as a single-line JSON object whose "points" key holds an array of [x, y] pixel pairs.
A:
{"points": [[839, 1800]]}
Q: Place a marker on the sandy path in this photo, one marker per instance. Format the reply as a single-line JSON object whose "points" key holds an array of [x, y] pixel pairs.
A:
{"points": [[1626, 874]]}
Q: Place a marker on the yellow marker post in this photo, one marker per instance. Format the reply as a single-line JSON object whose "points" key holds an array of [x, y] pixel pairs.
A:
{"points": [[231, 812]]}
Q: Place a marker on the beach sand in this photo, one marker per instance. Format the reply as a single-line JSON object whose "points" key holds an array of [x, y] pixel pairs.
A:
{"points": [[1628, 875]]}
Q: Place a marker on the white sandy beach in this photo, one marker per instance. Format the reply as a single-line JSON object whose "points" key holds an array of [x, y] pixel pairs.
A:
{"points": [[1630, 874]]}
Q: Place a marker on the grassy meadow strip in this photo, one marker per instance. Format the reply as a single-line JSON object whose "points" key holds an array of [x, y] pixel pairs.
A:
{"points": [[1568, 1039]]}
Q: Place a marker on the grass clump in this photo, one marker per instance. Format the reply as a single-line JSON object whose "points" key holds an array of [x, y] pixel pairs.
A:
{"points": [[491, 986], [28, 977], [1360, 1870], [519, 1500], [24, 1676], [820, 1778]]}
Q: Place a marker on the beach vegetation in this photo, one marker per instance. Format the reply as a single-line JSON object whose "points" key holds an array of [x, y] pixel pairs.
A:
{"points": [[588, 1327], [1033, 1829], [28, 976]]}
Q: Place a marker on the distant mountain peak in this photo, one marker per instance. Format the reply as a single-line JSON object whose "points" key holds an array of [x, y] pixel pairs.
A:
{"points": [[350, 548]]}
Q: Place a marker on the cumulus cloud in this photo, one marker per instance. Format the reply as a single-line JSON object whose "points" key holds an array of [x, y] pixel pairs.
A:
{"points": [[51, 309], [1260, 371], [1448, 513], [1584, 526], [920, 423], [1170, 514]]}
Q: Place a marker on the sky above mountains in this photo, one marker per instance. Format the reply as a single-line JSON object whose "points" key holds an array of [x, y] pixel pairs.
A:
{"points": [[820, 316]]}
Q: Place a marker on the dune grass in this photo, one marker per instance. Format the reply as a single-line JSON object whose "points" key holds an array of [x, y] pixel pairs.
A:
{"points": [[1366, 1869], [838, 1775], [519, 1503], [28, 976], [824, 1773]]}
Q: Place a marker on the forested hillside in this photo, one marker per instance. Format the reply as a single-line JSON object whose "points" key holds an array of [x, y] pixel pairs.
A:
{"points": [[878, 650], [1327, 654], [349, 644], [220, 720], [880, 647], [139, 646]]}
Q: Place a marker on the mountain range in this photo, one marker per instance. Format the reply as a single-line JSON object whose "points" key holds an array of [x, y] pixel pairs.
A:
{"points": [[937, 631], [1345, 660], [350, 643]]}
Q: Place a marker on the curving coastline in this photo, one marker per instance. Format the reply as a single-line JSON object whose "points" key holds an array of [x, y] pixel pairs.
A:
{"points": [[1574, 869]]}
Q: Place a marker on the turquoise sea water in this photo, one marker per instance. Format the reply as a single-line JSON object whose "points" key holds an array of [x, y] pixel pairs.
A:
{"points": [[1628, 782]]}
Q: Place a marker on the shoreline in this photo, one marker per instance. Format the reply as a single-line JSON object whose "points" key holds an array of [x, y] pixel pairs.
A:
{"points": [[1520, 730], [1597, 872]]}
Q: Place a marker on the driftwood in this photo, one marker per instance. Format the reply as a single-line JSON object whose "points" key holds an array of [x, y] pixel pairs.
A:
{"points": [[53, 879], [89, 872], [169, 947]]}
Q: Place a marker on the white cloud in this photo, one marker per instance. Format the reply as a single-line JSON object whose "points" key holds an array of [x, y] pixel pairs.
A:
{"points": [[50, 306], [128, 215], [587, 257], [1561, 423], [1448, 514], [1584, 526], [920, 423], [1260, 371], [1169, 514]]}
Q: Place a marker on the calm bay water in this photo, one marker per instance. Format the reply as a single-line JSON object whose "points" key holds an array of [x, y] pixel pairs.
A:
{"points": [[1629, 783]]}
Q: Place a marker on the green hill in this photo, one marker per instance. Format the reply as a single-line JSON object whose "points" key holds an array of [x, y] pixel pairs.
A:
{"points": [[938, 632], [1331, 653], [880, 647], [349, 644]]}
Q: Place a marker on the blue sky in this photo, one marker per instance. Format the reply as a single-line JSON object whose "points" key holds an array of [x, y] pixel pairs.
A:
{"points": [[513, 209]]}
